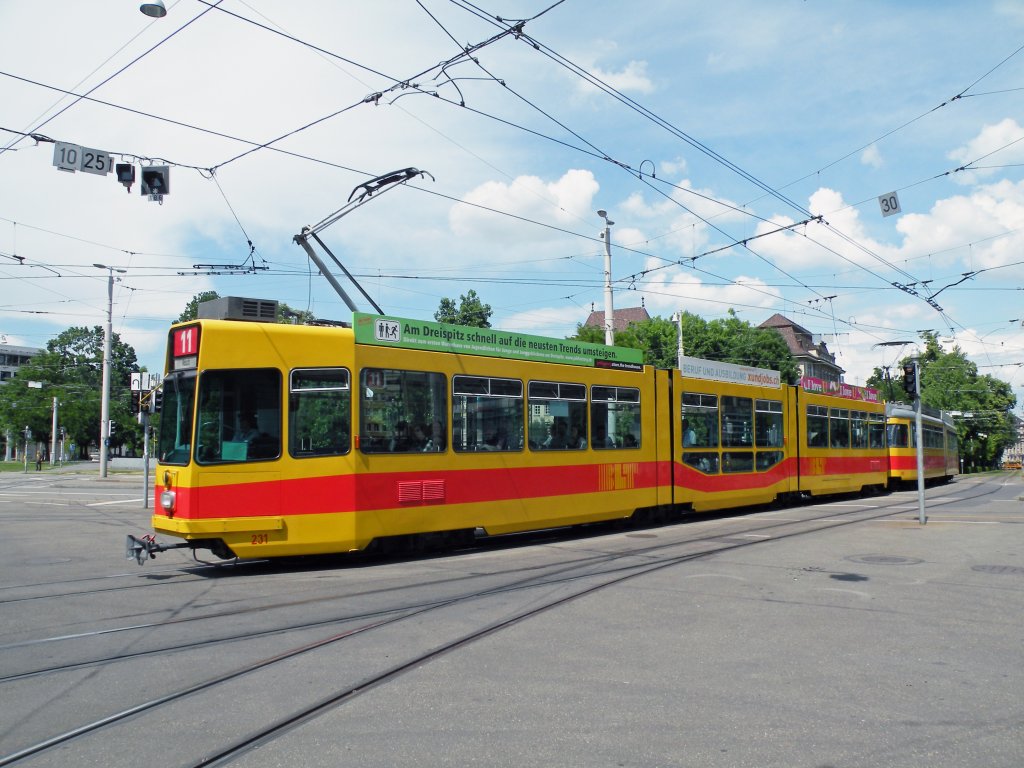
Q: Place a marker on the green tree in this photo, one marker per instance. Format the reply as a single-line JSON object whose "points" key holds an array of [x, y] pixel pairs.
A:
{"points": [[71, 369], [191, 311], [888, 382], [982, 404], [657, 337], [288, 316], [23, 406], [470, 311]]}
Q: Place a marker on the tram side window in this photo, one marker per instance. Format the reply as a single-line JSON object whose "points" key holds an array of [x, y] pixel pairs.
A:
{"points": [[487, 414], [768, 423], [768, 433], [737, 461], [839, 427], [858, 429], [932, 438], [401, 411], [705, 461], [558, 415], [817, 426], [768, 459], [615, 416], [700, 420], [951, 443], [737, 422], [319, 412], [239, 416], [876, 430], [898, 436]]}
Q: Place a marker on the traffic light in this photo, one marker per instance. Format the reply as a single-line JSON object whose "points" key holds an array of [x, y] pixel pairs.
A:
{"points": [[156, 182], [126, 174], [910, 379], [136, 402], [156, 399], [110, 428]]}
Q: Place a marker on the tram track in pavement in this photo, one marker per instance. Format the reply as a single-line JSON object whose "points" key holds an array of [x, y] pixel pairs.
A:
{"points": [[549, 577], [200, 570], [578, 577], [241, 570]]}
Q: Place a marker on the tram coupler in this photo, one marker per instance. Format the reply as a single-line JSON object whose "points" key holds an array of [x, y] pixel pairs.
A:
{"points": [[141, 550]]}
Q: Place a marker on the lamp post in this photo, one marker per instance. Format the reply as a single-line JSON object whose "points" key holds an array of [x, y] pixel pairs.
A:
{"points": [[609, 309], [53, 433], [155, 9], [105, 395], [678, 317]]}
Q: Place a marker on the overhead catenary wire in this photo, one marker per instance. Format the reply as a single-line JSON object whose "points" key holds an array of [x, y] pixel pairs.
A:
{"points": [[257, 146], [273, 147], [599, 83], [106, 80]]}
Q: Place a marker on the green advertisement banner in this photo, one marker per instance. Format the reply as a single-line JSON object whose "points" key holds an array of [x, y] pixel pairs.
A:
{"points": [[487, 342]]}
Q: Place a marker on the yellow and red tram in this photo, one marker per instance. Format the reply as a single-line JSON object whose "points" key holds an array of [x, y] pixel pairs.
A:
{"points": [[941, 452], [279, 440]]}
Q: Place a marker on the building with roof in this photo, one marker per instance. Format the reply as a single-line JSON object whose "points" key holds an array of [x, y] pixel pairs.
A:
{"points": [[810, 353], [622, 318], [12, 358]]}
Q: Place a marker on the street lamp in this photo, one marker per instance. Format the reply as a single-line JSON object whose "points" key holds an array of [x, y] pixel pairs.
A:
{"points": [[678, 317], [609, 310], [105, 395], [155, 9]]}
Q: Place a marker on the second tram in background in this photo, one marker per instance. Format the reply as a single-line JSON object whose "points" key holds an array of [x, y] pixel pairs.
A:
{"points": [[280, 440], [941, 452]]}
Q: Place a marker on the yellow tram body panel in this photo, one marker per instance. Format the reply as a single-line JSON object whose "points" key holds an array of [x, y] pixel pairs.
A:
{"points": [[733, 446], [841, 431], [746, 438]]}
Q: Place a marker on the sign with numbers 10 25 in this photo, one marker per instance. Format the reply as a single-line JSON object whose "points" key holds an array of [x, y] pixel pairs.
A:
{"points": [[71, 157]]}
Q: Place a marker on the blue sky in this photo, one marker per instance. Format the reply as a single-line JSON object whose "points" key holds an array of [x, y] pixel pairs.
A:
{"points": [[740, 148]]}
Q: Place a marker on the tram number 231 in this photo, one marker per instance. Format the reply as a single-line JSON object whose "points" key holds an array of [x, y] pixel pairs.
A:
{"points": [[260, 538]]}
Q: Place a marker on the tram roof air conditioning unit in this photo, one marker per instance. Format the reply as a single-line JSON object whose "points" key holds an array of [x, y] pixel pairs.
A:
{"points": [[237, 308]]}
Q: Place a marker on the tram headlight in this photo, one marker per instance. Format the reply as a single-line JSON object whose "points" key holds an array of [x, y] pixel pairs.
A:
{"points": [[167, 501]]}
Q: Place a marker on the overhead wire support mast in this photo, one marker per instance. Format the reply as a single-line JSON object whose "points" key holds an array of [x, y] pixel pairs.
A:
{"points": [[365, 191]]}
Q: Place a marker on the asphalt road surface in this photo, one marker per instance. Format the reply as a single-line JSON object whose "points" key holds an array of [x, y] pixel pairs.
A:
{"points": [[843, 634]]}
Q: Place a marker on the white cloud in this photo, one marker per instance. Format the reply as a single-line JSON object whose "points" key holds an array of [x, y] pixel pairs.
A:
{"points": [[674, 167], [981, 230], [567, 201], [872, 156], [996, 145], [822, 247], [671, 289], [548, 321], [630, 79]]}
